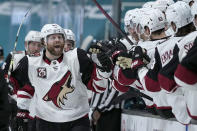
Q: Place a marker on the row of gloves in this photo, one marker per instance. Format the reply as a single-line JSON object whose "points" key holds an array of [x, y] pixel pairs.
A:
{"points": [[117, 54]]}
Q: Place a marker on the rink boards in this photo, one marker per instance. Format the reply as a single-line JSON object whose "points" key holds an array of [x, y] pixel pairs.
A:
{"points": [[142, 121]]}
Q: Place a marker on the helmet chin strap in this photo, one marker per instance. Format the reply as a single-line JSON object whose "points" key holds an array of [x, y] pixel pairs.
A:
{"points": [[194, 23], [148, 35], [176, 30], [27, 47]]}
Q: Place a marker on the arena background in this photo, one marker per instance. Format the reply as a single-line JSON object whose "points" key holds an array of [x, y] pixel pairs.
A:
{"points": [[82, 16]]}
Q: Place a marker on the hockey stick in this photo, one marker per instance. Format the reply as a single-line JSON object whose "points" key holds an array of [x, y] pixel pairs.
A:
{"points": [[15, 44], [130, 94], [113, 22]]}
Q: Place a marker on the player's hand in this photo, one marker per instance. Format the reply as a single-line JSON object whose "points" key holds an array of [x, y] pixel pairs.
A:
{"points": [[124, 62], [98, 48], [22, 117], [95, 116]]}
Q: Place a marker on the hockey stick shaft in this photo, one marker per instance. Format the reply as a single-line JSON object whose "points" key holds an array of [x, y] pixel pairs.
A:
{"points": [[112, 21], [16, 40], [129, 95], [15, 44]]}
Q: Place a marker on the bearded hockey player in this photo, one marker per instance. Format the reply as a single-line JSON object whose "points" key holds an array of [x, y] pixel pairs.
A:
{"points": [[58, 81]]}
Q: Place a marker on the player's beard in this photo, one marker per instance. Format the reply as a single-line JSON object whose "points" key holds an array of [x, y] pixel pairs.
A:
{"points": [[56, 49]]}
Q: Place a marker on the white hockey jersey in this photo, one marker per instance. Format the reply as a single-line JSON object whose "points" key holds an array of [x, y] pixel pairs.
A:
{"points": [[59, 86], [168, 57], [152, 83], [17, 56], [185, 75], [147, 76]]}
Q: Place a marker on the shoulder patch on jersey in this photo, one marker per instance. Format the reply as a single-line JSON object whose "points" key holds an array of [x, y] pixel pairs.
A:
{"points": [[19, 52], [35, 55]]}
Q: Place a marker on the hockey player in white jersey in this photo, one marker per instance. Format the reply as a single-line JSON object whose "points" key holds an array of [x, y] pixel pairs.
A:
{"points": [[152, 26], [139, 13], [33, 45], [186, 44], [152, 82], [185, 74], [149, 79], [58, 81], [179, 15], [70, 43], [153, 21], [185, 71]]}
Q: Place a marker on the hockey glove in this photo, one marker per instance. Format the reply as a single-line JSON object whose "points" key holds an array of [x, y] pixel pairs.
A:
{"points": [[140, 54], [98, 48], [139, 58], [105, 62], [124, 60], [22, 117]]}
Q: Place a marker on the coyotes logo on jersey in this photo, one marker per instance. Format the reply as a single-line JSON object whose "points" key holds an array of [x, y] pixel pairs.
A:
{"points": [[59, 90]]}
